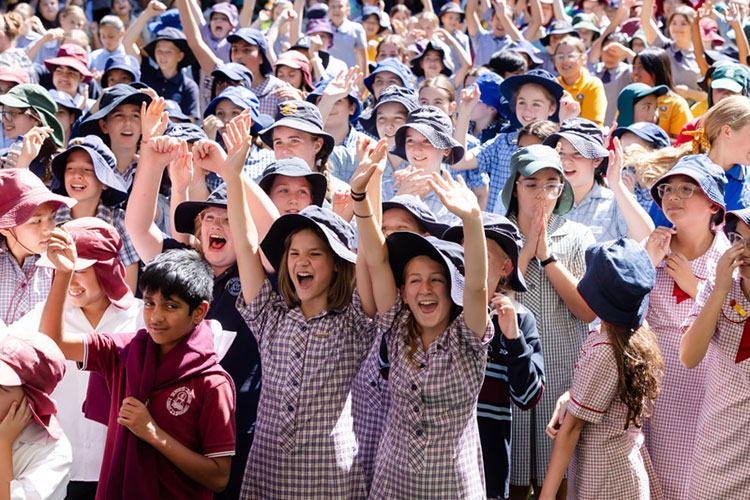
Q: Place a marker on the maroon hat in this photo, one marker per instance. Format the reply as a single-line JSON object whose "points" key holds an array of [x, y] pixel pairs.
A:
{"points": [[73, 56], [15, 74], [35, 363], [98, 244], [21, 194], [710, 31], [296, 60]]}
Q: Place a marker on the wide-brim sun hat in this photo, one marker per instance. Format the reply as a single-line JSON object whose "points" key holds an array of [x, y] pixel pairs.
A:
{"points": [[178, 38], [241, 97], [299, 115], [447, 70], [390, 65], [253, 36], [337, 232], [649, 132], [401, 95], [112, 97], [501, 230], [187, 211], [405, 245], [543, 78], [629, 95], [419, 210], [586, 137], [436, 127], [23, 194], [530, 160], [295, 167]]}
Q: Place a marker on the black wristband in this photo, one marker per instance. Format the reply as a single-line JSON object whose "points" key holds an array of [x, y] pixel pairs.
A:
{"points": [[548, 260], [358, 196]]}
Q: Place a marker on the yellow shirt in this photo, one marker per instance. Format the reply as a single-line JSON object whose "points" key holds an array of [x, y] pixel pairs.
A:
{"points": [[674, 113], [589, 92], [699, 108]]}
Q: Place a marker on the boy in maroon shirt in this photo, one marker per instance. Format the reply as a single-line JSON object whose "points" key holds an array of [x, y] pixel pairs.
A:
{"points": [[171, 429]]}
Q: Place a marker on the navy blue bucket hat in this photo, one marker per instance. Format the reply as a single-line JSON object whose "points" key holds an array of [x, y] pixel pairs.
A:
{"points": [[436, 126], [190, 132], [649, 132], [543, 78], [253, 37], [586, 137], [124, 62], [504, 233], [105, 165], [558, 27], [338, 233], [235, 72], [239, 96], [187, 211], [523, 46], [295, 167], [353, 97], [391, 65], [419, 210], [299, 115], [63, 100], [619, 276], [174, 111], [111, 98], [178, 38], [402, 95], [708, 175], [405, 245], [447, 70]]}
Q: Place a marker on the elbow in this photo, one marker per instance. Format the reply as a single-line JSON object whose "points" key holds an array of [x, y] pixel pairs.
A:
{"points": [[688, 361], [218, 481]]}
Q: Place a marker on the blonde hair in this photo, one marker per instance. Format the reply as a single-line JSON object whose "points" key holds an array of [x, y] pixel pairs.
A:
{"points": [[12, 23], [651, 165], [431, 17], [77, 37], [341, 289], [683, 10], [574, 42], [73, 10], [733, 111]]}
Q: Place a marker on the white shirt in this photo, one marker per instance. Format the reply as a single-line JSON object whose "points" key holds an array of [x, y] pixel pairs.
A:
{"points": [[86, 436], [41, 465]]}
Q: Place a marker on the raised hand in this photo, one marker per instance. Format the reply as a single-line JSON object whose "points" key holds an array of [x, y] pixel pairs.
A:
{"points": [[727, 263], [342, 85], [411, 181], [61, 250], [469, 98], [208, 156], [32, 145], [569, 107], [154, 119], [212, 125], [657, 244], [160, 151], [733, 15], [156, 7], [507, 319], [540, 225], [678, 267], [288, 93], [371, 159], [614, 167], [238, 139], [181, 168], [343, 205], [456, 196]]}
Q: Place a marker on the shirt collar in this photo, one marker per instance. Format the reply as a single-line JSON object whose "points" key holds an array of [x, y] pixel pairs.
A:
{"points": [[737, 172]]}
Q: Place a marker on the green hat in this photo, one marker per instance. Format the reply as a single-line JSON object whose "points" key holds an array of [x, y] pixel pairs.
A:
{"points": [[36, 97], [584, 21], [629, 95], [729, 77], [530, 160]]}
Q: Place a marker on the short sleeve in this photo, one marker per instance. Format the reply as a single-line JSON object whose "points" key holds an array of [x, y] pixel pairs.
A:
{"points": [[128, 253], [362, 326], [681, 115], [100, 353], [360, 39], [577, 261], [216, 423], [594, 105], [45, 469], [391, 325], [594, 383]]}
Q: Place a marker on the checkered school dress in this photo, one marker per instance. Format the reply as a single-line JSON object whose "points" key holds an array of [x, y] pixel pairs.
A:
{"points": [[670, 432], [609, 461], [21, 287], [722, 446], [430, 445], [561, 335], [304, 444]]}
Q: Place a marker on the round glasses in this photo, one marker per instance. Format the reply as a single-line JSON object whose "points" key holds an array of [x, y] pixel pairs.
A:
{"points": [[683, 191], [735, 237], [551, 191]]}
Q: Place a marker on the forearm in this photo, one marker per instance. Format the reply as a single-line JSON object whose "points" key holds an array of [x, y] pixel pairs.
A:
{"points": [[510, 28], [362, 61], [195, 10], [700, 57], [32, 50], [246, 14], [212, 473], [475, 288], [469, 161], [472, 20], [52, 321], [559, 10], [205, 56], [325, 105], [565, 284], [565, 445], [130, 39], [647, 21], [535, 23], [376, 256], [139, 215], [640, 225], [695, 341], [6, 470], [742, 43], [483, 195], [262, 210]]}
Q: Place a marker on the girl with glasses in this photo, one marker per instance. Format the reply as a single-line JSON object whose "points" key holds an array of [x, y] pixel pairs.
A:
{"points": [[685, 257], [551, 261]]}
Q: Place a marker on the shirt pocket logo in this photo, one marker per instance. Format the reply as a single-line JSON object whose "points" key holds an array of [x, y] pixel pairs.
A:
{"points": [[179, 401]]}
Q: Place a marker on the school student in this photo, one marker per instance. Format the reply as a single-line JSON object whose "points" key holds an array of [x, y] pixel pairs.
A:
{"points": [[292, 186], [27, 217], [170, 422], [99, 300], [638, 102], [691, 195], [570, 61], [36, 454], [614, 386], [111, 32], [69, 71], [716, 335]]}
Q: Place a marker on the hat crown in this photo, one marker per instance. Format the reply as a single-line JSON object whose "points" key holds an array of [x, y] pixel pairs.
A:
{"points": [[94, 238], [526, 156], [36, 359], [394, 93], [432, 116], [583, 127], [301, 110], [74, 51], [338, 226], [295, 166]]}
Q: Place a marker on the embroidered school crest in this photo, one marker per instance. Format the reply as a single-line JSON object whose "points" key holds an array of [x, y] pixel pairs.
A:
{"points": [[234, 287], [289, 109], [179, 401]]}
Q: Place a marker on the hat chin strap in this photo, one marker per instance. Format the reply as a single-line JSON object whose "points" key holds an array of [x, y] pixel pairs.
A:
{"points": [[13, 233]]}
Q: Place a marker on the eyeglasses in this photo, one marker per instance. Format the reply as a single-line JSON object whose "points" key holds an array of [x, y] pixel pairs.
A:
{"points": [[567, 57], [208, 218], [738, 238], [551, 191], [683, 191], [9, 116]]}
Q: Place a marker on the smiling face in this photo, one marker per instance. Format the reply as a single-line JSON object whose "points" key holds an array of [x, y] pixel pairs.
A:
{"points": [[578, 170], [569, 62], [168, 319], [426, 290], [289, 142], [390, 116], [311, 267], [744, 231], [67, 80], [386, 50], [679, 28], [533, 103], [32, 237], [338, 10], [695, 210], [123, 125], [216, 239], [431, 96], [646, 110], [86, 292], [18, 122], [383, 80], [420, 153], [292, 76], [72, 21], [168, 55], [432, 63], [451, 20], [371, 26], [290, 194], [641, 75], [122, 7], [80, 179], [398, 219], [219, 25], [49, 9]]}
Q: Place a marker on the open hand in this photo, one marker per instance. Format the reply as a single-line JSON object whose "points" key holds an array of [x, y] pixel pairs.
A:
{"points": [[678, 267], [15, 421], [370, 159], [238, 139], [507, 319], [456, 196], [411, 181], [154, 119], [342, 85], [469, 98], [181, 168]]}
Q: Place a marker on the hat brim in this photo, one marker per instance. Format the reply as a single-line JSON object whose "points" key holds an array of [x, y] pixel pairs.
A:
{"points": [[8, 376], [510, 87], [620, 131], [371, 77], [687, 173], [115, 193], [187, 60], [91, 124], [436, 138], [29, 203], [69, 62], [187, 211], [727, 84], [317, 180], [589, 288], [13, 101], [80, 265], [435, 229], [585, 147], [267, 135], [405, 245], [273, 244]]}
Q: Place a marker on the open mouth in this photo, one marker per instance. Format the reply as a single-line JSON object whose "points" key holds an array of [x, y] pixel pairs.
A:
{"points": [[75, 293], [304, 279], [216, 242], [127, 133], [427, 306], [77, 187], [569, 172]]}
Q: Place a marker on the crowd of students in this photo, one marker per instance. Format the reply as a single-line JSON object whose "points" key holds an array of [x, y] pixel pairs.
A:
{"points": [[489, 249]]}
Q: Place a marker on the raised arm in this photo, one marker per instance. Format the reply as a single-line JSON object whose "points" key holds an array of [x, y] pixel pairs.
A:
{"points": [[468, 99], [461, 202], [650, 29], [205, 56], [559, 10], [295, 28], [596, 47], [195, 8], [734, 17], [53, 34], [506, 20], [130, 40], [695, 32], [472, 18], [640, 224], [535, 23], [246, 14]]}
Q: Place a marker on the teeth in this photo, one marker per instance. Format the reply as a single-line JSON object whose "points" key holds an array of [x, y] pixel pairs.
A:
{"points": [[304, 275], [78, 186], [427, 302]]}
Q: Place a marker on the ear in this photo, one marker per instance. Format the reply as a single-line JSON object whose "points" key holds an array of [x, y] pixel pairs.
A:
{"points": [[452, 107], [446, 152], [318, 145], [552, 110], [507, 268], [103, 126], [352, 108], [181, 56], [199, 312]]}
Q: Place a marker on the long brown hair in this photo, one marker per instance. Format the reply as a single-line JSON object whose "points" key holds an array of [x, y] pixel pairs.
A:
{"points": [[639, 369]]}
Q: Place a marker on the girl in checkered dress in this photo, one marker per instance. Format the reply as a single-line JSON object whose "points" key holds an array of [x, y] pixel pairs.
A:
{"points": [[437, 349], [717, 336], [615, 383], [692, 197]]}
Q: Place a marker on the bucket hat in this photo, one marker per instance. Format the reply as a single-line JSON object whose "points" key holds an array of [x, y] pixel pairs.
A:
{"points": [[235, 72], [319, 25], [734, 217], [299, 115], [174, 111], [585, 136], [228, 9], [619, 276], [405, 245], [511, 85], [36, 97], [583, 21], [501, 230], [558, 27], [729, 77], [391, 65], [63, 100], [296, 60], [105, 165], [36, 364], [23, 193], [530, 160], [709, 177], [436, 126], [72, 56], [447, 70], [523, 46], [419, 210], [629, 95], [353, 97], [98, 244], [190, 132], [253, 37], [112, 97], [402, 95], [303, 44], [14, 74], [373, 10], [239, 96], [649, 132], [187, 211], [489, 88], [178, 38], [451, 7], [337, 232], [295, 167]]}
